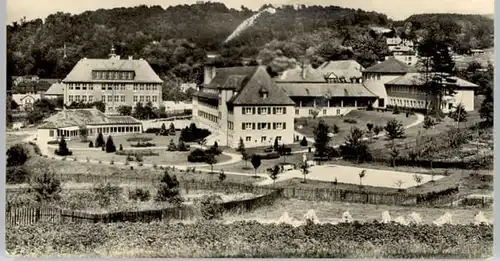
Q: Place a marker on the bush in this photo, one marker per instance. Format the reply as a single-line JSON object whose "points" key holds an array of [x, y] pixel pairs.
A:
{"points": [[110, 146], [210, 207], [107, 194], [369, 107], [303, 142], [182, 146], [143, 145], [267, 156], [91, 145], [138, 158], [171, 146], [17, 155], [197, 155], [17, 175], [139, 195], [53, 142], [121, 147], [396, 110], [144, 153], [284, 150], [350, 121], [99, 141], [193, 133], [63, 148], [168, 189], [46, 186], [153, 130]]}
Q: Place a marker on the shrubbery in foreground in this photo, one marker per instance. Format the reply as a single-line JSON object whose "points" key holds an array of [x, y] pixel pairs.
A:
{"points": [[250, 239]]}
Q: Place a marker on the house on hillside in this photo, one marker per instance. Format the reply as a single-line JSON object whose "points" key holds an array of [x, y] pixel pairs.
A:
{"points": [[68, 122], [342, 71], [403, 50], [55, 91], [398, 84], [244, 102], [114, 81], [26, 101]]}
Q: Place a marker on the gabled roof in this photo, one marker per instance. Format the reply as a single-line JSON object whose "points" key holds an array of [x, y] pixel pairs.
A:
{"points": [[83, 117], [376, 87], [346, 69], [413, 79], [231, 77], [326, 89], [391, 65], [299, 74], [82, 72], [55, 89], [250, 93], [18, 98]]}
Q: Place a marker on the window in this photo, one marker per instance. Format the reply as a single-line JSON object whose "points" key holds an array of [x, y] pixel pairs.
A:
{"points": [[110, 98], [263, 139], [338, 111], [51, 133], [70, 98], [450, 106], [84, 98], [141, 98], [123, 98], [135, 98], [148, 98], [296, 111], [247, 110], [310, 112], [278, 138], [279, 126], [248, 125], [91, 98], [324, 111], [77, 97], [117, 98], [135, 87], [263, 110], [155, 98], [141, 87], [71, 87], [84, 88], [248, 138], [381, 103], [378, 76], [103, 87]]}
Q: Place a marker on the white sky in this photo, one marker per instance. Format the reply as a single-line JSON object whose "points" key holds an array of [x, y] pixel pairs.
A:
{"points": [[395, 9]]}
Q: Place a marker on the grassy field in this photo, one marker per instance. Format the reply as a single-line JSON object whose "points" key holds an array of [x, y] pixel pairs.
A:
{"points": [[12, 139], [243, 167], [159, 141], [362, 118], [332, 212]]}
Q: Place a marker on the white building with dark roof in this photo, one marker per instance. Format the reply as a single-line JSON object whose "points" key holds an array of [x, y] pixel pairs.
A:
{"points": [[114, 81], [68, 123]]}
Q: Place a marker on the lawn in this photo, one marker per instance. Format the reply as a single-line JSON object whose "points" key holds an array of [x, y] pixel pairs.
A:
{"points": [[243, 167], [12, 139], [333, 211], [159, 141], [164, 158], [362, 118], [93, 172]]}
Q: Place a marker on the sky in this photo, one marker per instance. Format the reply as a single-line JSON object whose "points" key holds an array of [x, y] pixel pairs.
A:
{"points": [[395, 9]]}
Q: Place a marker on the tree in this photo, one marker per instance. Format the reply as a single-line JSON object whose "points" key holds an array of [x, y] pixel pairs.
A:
{"points": [[246, 157], [273, 173], [168, 189], [335, 129], [304, 167], [256, 161], [47, 186], [487, 108], [99, 141], [355, 148], [377, 129], [63, 148], [241, 146], [171, 146], [369, 126], [396, 110], [124, 110], [110, 146], [361, 175], [303, 142], [321, 139], [211, 160], [418, 179], [428, 122], [459, 114], [84, 133], [91, 145], [315, 112], [215, 149], [17, 155], [172, 128], [394, 155], [163, 130], [276, 145], [182, 146], [222, 176], [394, 130]]}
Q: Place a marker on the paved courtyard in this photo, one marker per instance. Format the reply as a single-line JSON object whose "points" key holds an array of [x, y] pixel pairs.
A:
{"points": [[350, 175]]}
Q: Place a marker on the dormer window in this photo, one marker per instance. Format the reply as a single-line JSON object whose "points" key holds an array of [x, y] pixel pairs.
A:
{"points": [[263, 93]]}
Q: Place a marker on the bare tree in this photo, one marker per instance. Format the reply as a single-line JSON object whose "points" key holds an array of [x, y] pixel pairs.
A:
{"points": [[362, 174]]}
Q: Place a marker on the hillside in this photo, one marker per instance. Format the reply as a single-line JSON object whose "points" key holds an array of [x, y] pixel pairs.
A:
{"points": [[175, 40]]}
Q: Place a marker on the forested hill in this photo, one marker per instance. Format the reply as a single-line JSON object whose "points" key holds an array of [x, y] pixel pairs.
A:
{"points": [[175, 40]]}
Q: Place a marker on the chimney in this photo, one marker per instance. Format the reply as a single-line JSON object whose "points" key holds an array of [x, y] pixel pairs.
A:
{"points": [[304, 73], [209, 73]]}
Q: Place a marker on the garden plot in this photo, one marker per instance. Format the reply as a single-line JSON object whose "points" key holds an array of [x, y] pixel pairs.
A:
{"points": [[350, 175]]}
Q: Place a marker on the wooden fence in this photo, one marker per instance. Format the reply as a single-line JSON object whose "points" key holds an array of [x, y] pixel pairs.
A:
{"points": [[29, 215]]}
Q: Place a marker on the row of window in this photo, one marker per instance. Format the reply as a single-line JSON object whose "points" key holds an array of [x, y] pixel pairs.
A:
{"points": [[208, 116], [264, 110], [206, 104], [372, 76], [405, 89], [84, 98], [147, 87], [142, 98], [263, 126], [110, 75], [311, 112], [92, 131], [408, 103], [113, 86], [262, 139]]}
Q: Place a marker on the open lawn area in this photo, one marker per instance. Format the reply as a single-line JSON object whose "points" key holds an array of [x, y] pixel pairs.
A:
{"points": [[332, 212], [93, 172], [159, 141], [361, 117], [12, 139]]}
